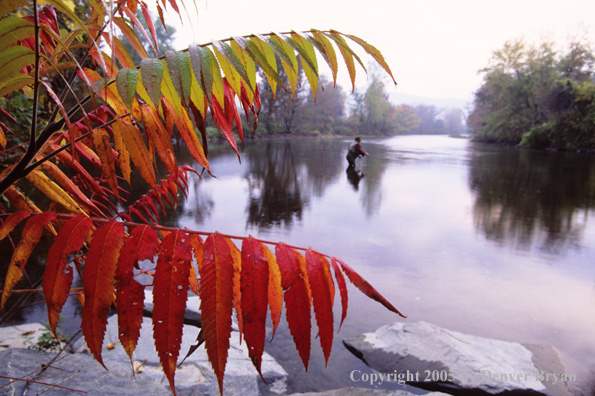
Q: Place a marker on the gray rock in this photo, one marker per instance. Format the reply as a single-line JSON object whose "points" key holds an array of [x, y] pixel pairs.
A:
{"points": [[81, 371], [196, 376], [433, 358], [76, 372]]}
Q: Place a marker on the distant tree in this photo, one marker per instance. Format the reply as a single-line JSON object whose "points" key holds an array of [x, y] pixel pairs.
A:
{"points": [[326, 114], [279, 110], [454, 121]]}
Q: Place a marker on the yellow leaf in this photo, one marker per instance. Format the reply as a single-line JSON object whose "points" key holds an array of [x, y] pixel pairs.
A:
{"points": [[54, 192]]}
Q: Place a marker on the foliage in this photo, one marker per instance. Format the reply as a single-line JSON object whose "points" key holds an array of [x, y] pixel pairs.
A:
{"points": [[100, 124], [536, 97]]}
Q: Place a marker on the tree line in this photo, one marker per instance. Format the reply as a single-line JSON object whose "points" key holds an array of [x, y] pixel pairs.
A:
{"points": [[536, 96], [365, 112]]}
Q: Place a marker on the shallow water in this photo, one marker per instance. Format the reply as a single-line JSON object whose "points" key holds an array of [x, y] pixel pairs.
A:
{"points": [[487, 240]]}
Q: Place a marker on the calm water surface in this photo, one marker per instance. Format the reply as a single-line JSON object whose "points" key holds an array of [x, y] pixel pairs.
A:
{"points": [[486, 240]]}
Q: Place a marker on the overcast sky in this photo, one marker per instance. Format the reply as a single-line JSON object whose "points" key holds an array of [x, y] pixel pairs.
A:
{"points": [[434, 47]]}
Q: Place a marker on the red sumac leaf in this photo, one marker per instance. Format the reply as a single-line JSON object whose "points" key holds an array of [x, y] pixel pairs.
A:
{"points": [[342, 289], [297, 298], [29, 239], [98, 283], [140, 245], [12, 221], [366, 288], [57, 277], [216, 299], [170, 291], [323, 292], [254, 285]]}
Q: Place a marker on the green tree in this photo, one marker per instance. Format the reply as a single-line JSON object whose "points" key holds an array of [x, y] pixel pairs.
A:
{"points": [[534, 96]]}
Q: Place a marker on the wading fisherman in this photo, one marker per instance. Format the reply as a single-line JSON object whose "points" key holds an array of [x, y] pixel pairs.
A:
{"points": [[355, 151]]}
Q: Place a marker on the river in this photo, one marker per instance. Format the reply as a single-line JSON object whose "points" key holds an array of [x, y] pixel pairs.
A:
{"points": [[487, 240], [493, 241]]}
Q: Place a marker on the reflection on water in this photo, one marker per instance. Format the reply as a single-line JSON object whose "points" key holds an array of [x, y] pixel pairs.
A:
{"points": [[532, 198], [487, 240]]}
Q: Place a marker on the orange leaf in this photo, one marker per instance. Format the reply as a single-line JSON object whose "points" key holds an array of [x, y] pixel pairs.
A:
{"points": [[159, 138], [98, 283], [137, 149], [186, 129], [170, 291], [254, 284], [294, 279], [216, 295], [342, 289], [323, 290], [29, 239], [275, 294], [101, 140], [123, 155], [237, 290], [366, 288], [12, 221], [140, 245], [57, 277]]}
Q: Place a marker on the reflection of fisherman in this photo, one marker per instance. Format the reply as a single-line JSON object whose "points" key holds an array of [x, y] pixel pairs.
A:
{"points": [[355, 151]]}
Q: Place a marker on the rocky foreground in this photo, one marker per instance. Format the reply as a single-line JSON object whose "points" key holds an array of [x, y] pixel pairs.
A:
{"points": [[419, 354]]}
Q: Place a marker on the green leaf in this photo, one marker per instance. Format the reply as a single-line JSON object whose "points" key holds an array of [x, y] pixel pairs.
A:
{"points": [[7, 6], [180, 67], [126, 84], [14, 83], [13, 29], [249, 66], [151, 72], [14, 59], [374, 52], [252, 48], [232, 66], [207, 71]]}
